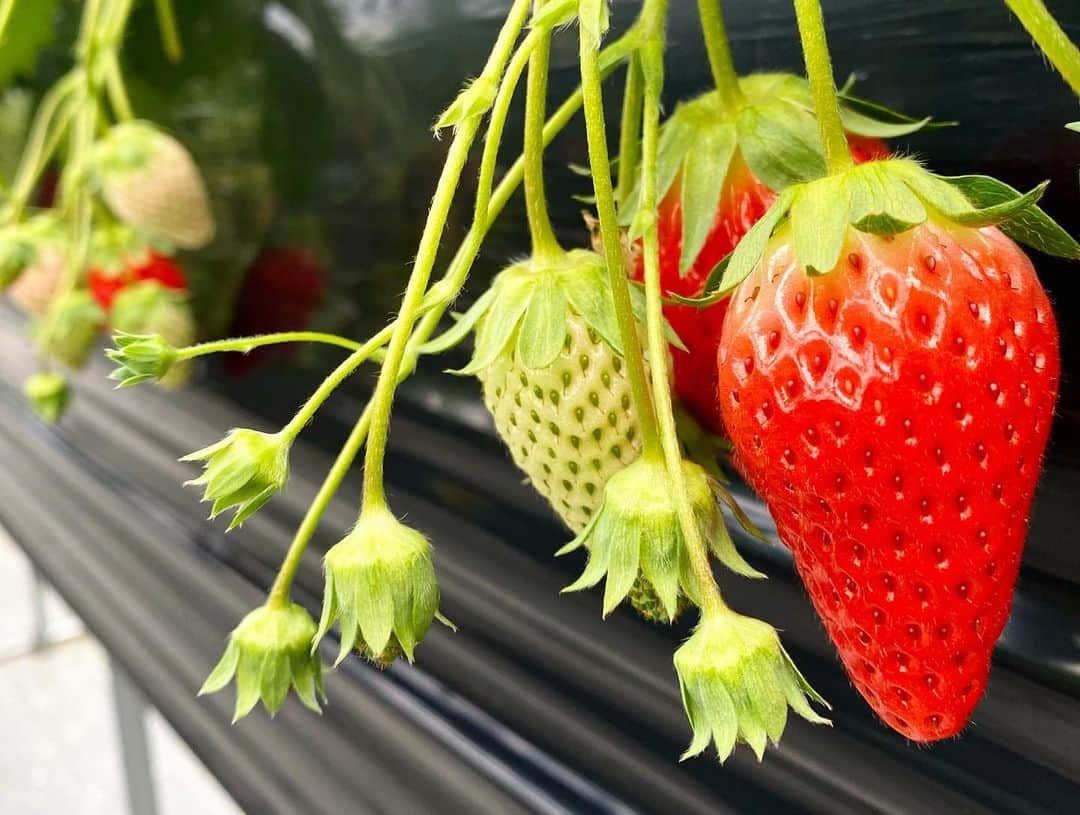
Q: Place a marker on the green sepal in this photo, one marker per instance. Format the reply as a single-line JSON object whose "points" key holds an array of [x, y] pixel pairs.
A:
{"points": [[380, 588], [269, 654], [750, 248], [554, 14], [69, 328], [1073, 126], [639, 305], [474, 100], [636, 531], [677, 136], [1029, 225], [704, 174], [781, 143], [818, 222], [500, 320], [880, 202], [463, 324], [737, 683], [594, 18], [543, 329]]}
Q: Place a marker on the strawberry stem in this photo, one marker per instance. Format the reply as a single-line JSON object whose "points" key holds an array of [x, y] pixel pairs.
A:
{"points": [[170, 34], [596, 133], [544, 242], [245, 344], [652, 64], [823, 85], [1050, 37], [383, 400], [718, 48], [630, 131]]}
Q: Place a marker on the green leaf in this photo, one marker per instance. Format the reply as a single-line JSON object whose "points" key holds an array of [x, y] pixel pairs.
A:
{"points": [[750, 248], [29, 30], [781, 144], [543, 331], [704, 172], [554, 14], [589, 295], [819, 222], [1031, 226], [465, 323], [881, 203]]}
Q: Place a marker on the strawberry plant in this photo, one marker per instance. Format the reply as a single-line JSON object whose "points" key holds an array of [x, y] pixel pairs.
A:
{"points": [[868, 335]]}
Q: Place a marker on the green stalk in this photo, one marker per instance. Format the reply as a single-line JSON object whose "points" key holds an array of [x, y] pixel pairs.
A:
{"points": [[596, 131], [170, 34], [452, 283], [1050, 37], [652, 63], [382, 401], [822, 85], [117, 90], [629, 132], [719, 50], [544, 242], [245, 344], [6, 7]]}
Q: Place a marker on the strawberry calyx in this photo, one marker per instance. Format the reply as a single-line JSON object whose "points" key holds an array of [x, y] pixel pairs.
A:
{"points": [[269, 654], [380, 587], [48, 395], [773, 131], [737, 684], [527, 306], [69, 327], [637, 530], [884, 197]]}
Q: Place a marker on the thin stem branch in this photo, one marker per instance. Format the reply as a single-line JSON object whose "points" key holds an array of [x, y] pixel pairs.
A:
{"points": [[170, 33], [652, 62], [544, 243], [718, 48], [6, 7], [117, 90], [374, 489], [1050, 37], [596, 131], [245, 344], [823, 85], [629, 132]]}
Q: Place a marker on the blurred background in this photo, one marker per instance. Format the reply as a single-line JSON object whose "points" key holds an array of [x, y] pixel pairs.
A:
{"points": [[310, 120]]}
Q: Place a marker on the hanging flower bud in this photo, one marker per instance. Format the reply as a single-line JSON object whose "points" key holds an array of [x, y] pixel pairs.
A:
{"points": [[69, 328], [737, 683], [269, 654], [48, 395], [381, 588], [150, 308], [151, 182], [140, 358], [243, 470], [637, 529]]}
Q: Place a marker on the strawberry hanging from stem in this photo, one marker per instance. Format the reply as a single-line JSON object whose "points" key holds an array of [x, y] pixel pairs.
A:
{"points": [[888, 372]]}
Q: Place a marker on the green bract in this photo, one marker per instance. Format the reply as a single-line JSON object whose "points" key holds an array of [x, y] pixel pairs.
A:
{"points": [[381, 588], [737, 683], [884, 198], [148, 307], [140, 358], [48, 395], [776, 134], [243, 470], [637, 530], [269, 653], [69, 327]]}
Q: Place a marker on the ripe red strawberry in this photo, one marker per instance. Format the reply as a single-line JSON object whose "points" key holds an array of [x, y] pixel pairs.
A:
{"points": [[283, 287], [743, 201], [893, 413], [105, 283]]}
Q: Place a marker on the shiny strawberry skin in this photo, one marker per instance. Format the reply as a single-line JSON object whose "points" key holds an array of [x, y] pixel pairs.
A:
{"points": [[744, 201], [893, 414]]}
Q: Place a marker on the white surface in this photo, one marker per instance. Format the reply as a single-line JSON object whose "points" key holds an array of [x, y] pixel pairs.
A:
{"points": [[59, 750]]}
